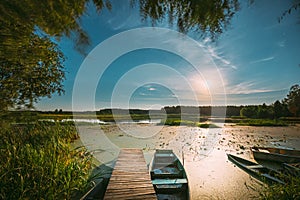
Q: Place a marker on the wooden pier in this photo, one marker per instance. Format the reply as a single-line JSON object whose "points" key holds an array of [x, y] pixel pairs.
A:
{"points": [[130, 178]]}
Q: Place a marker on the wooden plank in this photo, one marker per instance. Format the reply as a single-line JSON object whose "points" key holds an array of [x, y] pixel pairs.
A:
{"points": [[130, 178]]}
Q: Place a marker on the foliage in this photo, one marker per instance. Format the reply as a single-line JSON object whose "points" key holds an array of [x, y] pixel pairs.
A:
{"points": [[54, 18], [289, 105], [37, 162], [289, 191], [293, 7], [209, 17], [31, 63], [264, 111], [293, 100], [36, 71], [249, 111], [208, 125], [203, 111], [177, 122], [278, 109]]}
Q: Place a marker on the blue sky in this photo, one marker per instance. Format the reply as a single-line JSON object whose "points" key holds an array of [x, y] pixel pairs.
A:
{"points": [[255, 61]]}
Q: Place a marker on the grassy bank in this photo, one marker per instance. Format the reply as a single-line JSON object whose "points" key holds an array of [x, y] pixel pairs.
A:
{"points": [[37, 162], [262, 122], [178, 122]]}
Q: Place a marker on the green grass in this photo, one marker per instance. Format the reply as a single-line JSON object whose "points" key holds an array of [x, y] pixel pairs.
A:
{"points": [[277, 192], [37, 162], [262, 122], [178, 122], [208, 125]]}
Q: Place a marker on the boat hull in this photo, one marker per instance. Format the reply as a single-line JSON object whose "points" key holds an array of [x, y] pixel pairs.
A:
{"points": [[257, 171], [276, 155]]}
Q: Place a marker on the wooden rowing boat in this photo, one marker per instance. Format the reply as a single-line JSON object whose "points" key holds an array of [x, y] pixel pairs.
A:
{"points": [[276, 154], [168, 176], [257, 171]]}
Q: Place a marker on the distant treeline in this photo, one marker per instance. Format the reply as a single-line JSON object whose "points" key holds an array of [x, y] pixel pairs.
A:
{"points": [[117, 111], [177, 110], [263, 111], [215, 111]]}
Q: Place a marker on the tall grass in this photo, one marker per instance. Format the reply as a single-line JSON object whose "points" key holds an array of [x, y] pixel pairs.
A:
{"points": [[291, 190], [37, 162]]}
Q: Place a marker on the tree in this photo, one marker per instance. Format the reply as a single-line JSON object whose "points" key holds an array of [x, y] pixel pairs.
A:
{"points": [[249, 111], [278, 108], [295, 5], [293, 100], [36, 72], [31, 64], [265, 112], [207, 16]]}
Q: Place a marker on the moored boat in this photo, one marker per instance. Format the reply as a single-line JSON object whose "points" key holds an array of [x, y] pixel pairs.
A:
{"points": [[168, 176], [276, 154], [257, 171]]}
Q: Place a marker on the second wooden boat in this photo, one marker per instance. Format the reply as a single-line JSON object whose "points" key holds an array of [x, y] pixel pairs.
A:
{"points": [[276, 154], [168, 176], [257, 171]]}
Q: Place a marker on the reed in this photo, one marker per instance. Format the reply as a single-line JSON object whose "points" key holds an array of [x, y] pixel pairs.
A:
{"points": [[38, 162]]}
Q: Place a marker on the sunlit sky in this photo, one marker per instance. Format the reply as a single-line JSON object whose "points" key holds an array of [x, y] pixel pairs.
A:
{"points": [[255, 61]]}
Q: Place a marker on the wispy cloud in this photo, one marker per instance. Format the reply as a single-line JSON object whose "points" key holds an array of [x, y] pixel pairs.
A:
{"points": [[263, 60], [249, 87], [216, 54]]}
